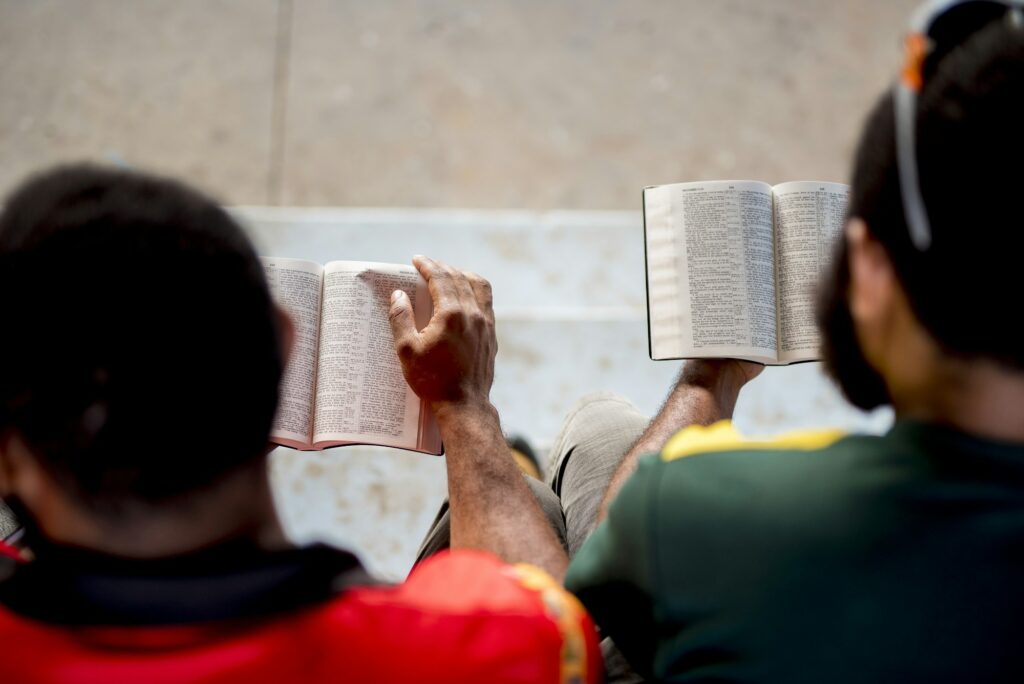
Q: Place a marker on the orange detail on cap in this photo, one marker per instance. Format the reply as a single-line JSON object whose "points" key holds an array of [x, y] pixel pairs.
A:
{"points": [[917, 48]]}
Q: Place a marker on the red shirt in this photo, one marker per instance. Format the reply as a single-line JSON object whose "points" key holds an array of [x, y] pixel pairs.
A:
{"points": [[9, 552], [460, 617]]}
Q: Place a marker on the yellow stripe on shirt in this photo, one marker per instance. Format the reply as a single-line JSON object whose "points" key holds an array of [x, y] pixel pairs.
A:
{"points": [[722, 436], [568, 615]]}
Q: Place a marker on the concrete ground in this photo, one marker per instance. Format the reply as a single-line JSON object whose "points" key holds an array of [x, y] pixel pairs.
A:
{"points": [[537, 104], [439, 112]]}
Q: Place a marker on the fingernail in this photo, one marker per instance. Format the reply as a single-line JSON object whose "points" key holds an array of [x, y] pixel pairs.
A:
{"points": [[396, 295]]}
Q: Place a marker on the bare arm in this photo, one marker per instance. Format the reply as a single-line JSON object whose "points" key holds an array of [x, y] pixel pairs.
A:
{"points": [[492, 508], [450, 365], [705, 392]]}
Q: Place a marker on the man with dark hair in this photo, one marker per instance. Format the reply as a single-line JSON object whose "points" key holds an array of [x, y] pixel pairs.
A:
{"points": [[816, 557], [139, 366]]}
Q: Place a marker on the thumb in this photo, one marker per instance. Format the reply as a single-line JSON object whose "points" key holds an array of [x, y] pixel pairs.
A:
{"points": [[403, 324]]}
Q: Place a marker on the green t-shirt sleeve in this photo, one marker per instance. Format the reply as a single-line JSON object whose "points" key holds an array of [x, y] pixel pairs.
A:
{"points": [[611, 574]]}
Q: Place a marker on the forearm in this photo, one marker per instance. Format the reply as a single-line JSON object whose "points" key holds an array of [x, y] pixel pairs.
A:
{"points": [[704, 393], [492, 508]]}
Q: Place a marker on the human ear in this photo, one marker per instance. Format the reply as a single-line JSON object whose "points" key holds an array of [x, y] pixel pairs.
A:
{"points": [[872, 288], [20, 472], [286, 329], [11, 460], [5, 464]]}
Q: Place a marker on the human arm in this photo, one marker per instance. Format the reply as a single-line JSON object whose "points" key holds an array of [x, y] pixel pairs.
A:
{"points": [[450, 366], [705, 392]]}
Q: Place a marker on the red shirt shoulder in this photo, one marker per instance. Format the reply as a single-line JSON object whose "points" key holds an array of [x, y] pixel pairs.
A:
{"points": [[495, 616], [460, 617], [7, 551]]}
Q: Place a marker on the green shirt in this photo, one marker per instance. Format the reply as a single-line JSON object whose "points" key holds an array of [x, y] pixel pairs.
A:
{"points": [[893, 558]]}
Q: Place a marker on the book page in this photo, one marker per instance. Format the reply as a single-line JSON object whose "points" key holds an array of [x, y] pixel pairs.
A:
{"points": [[664, 302], [809, 218], [361, 394], [711, 271], [296, 286]]}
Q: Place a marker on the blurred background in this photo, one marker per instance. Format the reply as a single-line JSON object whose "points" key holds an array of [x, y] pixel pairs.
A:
{"points": [[511, 137]]}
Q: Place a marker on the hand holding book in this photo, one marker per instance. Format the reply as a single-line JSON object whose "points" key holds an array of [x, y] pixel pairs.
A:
{"points": [[450, 365], [343, 383], [451, 361]]}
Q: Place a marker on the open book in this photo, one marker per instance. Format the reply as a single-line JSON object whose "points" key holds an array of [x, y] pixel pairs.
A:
{"points": [[343, 383], [732, 267]]}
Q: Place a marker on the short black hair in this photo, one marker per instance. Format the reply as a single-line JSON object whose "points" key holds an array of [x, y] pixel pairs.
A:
{"points": [[140, 353], [970, 146]]}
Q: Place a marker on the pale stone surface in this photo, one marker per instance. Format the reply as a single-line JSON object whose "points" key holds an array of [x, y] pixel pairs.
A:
{"points": [[377, 502], [181, 87], [575, 103], [496, 103]]}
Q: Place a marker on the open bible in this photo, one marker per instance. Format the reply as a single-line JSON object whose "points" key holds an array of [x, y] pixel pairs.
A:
{"points": [[732, 267], [343, 383]]}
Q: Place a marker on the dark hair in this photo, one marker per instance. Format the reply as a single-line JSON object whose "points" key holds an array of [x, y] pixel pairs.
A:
{"points": [[139, 355], [970, 146]]}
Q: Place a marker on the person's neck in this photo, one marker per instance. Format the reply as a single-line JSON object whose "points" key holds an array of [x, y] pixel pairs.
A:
{"points": [[241, 508], [977, 397]]}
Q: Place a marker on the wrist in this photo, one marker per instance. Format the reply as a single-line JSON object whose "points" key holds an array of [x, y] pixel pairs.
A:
{"points": [[472, 436], [721, 377], [475, 409]]}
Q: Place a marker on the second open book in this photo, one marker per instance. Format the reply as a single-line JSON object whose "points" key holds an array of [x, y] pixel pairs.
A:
{"points": [[732, 267], [343, 383]]}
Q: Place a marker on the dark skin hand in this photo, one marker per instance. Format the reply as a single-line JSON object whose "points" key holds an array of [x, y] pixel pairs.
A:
{"points": [[450, 366], [705, 393]]}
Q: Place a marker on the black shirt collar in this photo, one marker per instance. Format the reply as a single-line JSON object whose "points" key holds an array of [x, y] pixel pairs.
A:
{"points": [[235, 580]]}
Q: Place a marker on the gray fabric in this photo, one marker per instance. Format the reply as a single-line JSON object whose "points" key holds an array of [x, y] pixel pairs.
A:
{"points": [[595, 436], [616, 669], [598, 432], [8, 523], [439, 535]]}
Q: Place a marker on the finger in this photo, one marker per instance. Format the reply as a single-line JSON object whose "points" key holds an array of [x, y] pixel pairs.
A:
{"points": [[461, 301], [443, 291], [483, 294], [467, 298], [403, 324]]}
